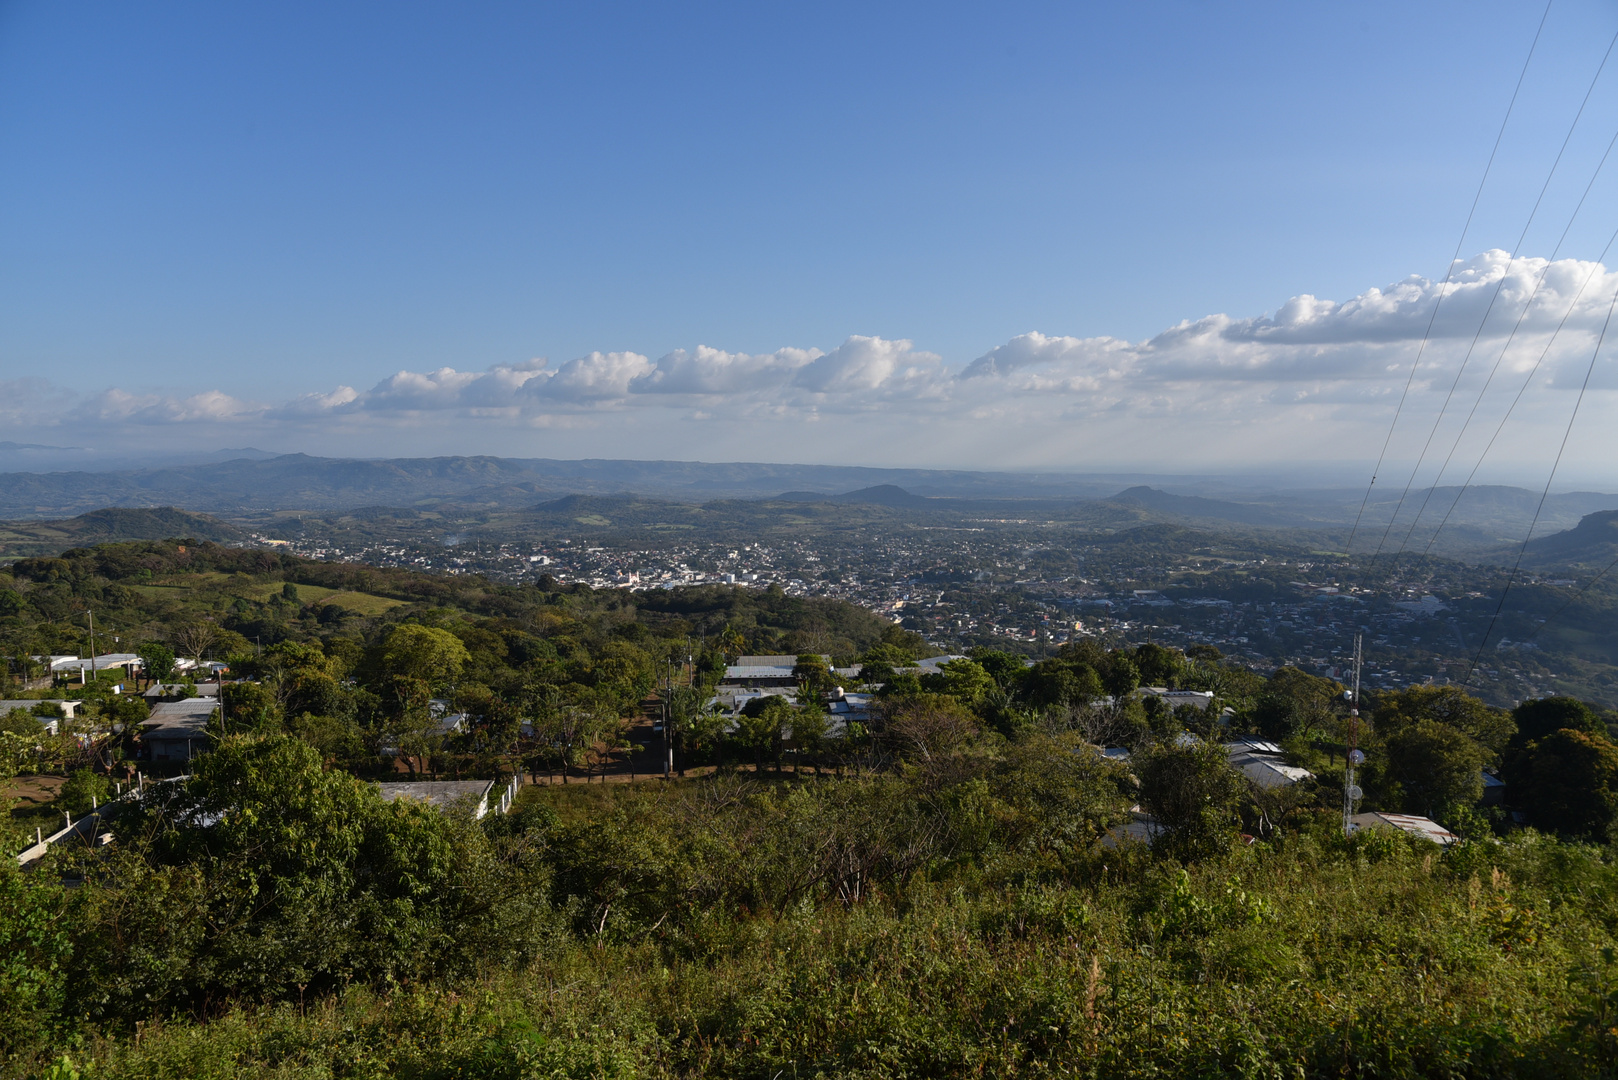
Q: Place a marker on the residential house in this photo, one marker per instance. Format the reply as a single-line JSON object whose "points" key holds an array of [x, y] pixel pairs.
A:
{"points": [[127, 662], [761, 672], [1197, 699], [177, 730], [444, 794], [1264, 763], [1410, 824]]}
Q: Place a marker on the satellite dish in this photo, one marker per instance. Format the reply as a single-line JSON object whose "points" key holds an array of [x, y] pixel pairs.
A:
{"points": [[1354, 792], [1356, 757]]}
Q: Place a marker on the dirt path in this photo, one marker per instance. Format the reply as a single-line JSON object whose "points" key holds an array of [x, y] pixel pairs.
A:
{"points": [[32, 792]]}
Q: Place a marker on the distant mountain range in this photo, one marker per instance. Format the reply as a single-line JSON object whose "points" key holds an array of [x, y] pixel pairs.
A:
{"points": [[251, 485], [1481, 518], [9, 447], [880, 495], [255, 482]]}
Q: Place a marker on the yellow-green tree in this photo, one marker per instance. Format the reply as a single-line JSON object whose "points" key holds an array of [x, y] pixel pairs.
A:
{"points": [[434, 656]]}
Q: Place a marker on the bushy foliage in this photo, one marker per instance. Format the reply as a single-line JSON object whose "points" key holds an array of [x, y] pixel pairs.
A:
{"points": [[1569, 780], [83, 790], [1294, 703], [1190, 788], [265, 876], [36, 946], [1539, 717], [690, 954], [1451, 706], [1437, 767], [962, 898]]}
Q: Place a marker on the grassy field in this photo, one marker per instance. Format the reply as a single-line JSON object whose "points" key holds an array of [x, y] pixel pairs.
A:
{"points": [[364, 603], [199, 584], [161, 591]]}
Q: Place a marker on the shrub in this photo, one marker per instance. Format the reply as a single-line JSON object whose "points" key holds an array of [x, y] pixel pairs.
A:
{"points": [[83, 790]]}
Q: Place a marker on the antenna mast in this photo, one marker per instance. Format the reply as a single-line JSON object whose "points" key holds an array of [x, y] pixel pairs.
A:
{"points": [[1355, 756], [92, 615]]}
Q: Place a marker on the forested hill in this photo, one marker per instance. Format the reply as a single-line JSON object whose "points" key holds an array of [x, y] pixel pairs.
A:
{"points": [[27, 538], [150, 588], [1594, 541]]}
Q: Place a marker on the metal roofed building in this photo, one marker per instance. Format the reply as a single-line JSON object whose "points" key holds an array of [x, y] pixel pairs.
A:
{"points": [[450, 721], [444, 794], [844, 709], [1197, 699], [1410, 824], [934, 665], [733, 699], [178, 730], [158, 692], [105, 662], [1264, 763], [761, 671]]}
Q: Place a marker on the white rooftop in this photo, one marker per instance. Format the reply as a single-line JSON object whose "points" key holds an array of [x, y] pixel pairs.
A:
{"points": [[1413, 824]]}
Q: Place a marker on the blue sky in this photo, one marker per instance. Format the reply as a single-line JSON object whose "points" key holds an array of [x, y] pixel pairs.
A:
{"points": [[284, 223]]}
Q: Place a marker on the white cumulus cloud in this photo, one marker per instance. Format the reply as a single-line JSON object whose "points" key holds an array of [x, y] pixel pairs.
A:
{"points": [[118, 405], [1311, 366], [705, 370], [866, 365]]}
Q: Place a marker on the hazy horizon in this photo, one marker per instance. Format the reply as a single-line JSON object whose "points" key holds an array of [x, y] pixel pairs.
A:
{"points": [[1256, 480]]}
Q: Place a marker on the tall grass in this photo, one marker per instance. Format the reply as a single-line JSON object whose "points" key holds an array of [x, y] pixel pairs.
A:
{"points": [[1316, 957]]}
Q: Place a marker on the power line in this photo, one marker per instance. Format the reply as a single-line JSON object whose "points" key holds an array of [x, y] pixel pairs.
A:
{"points": [[1566, 434], [1489, 310], [1571, 600], [1448, 275], [1522, 389], [1510, 339]]}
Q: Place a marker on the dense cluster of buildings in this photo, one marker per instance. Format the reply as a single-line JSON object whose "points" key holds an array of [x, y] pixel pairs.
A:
{"points": [[968, 586]]}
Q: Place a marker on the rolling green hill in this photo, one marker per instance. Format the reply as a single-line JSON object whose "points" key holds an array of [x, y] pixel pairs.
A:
{"points": [[22, 539], [1593, 541]]}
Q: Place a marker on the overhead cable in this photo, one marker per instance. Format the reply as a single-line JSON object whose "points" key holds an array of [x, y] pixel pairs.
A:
{"points": [[1500, 285], [1572, 600], [1511, 577], [1448, 275], [1529, 378], [1512, 337]]}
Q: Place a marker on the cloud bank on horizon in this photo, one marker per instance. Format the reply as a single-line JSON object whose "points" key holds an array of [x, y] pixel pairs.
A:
{"points": [[1317, 381]]}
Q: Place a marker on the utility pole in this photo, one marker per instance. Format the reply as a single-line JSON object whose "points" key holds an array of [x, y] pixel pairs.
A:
{"points": [[92, 615], [1355, 756], [668, 716]]}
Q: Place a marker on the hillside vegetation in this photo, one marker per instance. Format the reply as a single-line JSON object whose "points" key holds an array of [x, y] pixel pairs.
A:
{"points": [[944, 890], [20, 539]]}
